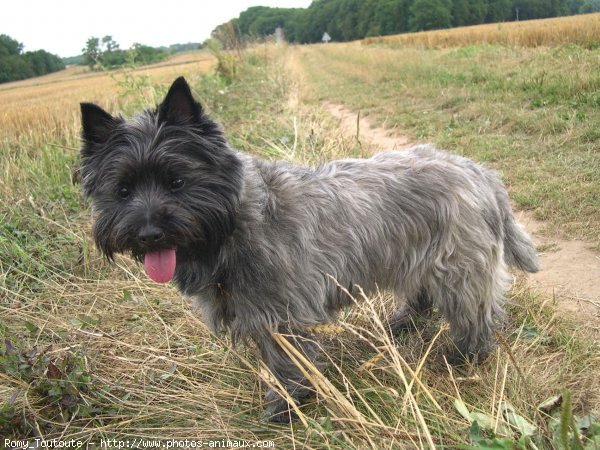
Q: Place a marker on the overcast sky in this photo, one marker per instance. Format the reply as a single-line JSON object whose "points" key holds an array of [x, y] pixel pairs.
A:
{"points": [[63, 26]]}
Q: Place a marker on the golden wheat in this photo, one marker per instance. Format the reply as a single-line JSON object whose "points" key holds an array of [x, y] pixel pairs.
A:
{"points": [[581, 30], [43, 109]]}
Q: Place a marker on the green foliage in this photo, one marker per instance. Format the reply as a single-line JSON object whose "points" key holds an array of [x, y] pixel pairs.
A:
{"points": [[467, 12], [347, 20], [110, 44], [105, 54], [158, 52], [60, 382], [262, 20], [144, 54], [91, 51], [590, 6], [540, 9], [499, 11], [567, 430], [228, 63], [430, 15], [8, 46], [176, 48], [137, 90], [16, 65]]}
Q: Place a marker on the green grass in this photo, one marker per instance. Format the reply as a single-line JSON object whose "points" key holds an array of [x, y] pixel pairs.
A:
{"points": [[531, 113], [118, 357]]}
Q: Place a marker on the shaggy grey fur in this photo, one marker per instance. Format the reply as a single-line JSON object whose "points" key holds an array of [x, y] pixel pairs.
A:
{"points": [[435, 228], [263, 246]]}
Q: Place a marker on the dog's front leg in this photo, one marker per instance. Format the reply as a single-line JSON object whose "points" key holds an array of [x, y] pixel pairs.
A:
{"points": [[277, 408]]}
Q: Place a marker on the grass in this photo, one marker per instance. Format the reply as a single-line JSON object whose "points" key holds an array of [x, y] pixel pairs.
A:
{"points": [[582, 30], [531, 113], [93, 351]]}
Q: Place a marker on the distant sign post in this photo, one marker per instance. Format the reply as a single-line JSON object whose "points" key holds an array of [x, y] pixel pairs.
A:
{"points": [[326, 38], [279, 35]]}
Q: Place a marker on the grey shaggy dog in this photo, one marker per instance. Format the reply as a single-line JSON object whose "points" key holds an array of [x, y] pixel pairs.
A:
{"points": [[264, 246]]}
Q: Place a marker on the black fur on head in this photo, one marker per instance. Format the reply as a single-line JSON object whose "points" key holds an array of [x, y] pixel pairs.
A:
{"points": [[164, 179]]}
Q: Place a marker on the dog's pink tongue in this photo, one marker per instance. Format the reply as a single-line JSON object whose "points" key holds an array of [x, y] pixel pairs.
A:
{"points": [[160, 266]]}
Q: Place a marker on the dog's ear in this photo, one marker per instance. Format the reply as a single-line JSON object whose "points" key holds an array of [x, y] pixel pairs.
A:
{"points": [[179, 105], [97, 124]]}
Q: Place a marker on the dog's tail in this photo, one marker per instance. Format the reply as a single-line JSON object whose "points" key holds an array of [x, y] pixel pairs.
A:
{"points": [[519, 251]]}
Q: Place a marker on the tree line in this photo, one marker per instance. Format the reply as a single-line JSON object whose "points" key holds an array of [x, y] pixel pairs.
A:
{"points": [[98, 53], [18, 65], [105, 53], [346, 20]]}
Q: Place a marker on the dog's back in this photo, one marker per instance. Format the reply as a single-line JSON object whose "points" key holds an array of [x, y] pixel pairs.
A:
{"points": [[391, 221]]}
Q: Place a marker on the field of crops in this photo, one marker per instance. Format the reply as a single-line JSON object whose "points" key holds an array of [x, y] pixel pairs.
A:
{"points": [[46, 108], [583, 30]]}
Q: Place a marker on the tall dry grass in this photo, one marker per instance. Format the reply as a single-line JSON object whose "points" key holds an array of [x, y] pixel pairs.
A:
{"points": [[583, 30], [135, 362]]}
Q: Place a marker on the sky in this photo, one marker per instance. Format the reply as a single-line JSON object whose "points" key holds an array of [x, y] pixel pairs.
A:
{"points": [[62, 27]]}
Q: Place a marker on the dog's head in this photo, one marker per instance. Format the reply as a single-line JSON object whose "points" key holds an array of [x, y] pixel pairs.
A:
{"points": [[164, 185]]}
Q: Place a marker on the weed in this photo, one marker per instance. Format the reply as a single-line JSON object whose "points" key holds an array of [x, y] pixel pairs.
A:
{"points": [[228, 61], [58, 382]]}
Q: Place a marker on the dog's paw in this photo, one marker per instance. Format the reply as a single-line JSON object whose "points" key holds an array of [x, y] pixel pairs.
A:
{"points": [[278, 411], [404, 320], [458, 358], [400, 321]]}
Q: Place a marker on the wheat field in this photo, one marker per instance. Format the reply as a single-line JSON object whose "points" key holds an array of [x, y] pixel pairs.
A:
{"points": [[45, 108], [583, 30]]}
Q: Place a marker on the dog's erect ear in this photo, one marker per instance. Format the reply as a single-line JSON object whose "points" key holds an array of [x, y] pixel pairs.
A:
{"points": [[179, 105], [97, 123]]}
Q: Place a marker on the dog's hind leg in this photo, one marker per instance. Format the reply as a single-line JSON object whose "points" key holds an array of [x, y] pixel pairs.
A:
{"points": [[277, 408], [415, 309], [471, 303]]}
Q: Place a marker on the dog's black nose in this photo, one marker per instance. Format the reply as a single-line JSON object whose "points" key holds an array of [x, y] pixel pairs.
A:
{"points": [[150, 234]]}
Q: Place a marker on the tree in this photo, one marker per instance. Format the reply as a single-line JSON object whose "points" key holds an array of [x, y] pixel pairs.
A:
{"points": [[392, 16], [468, 12], [16, 65], [498, 11], [144, 54], [320, 18], [575, 6], [354, 19], [540, 9], [91, 51], [430, 15], [9, 46], [590, 6], [109, 44]]}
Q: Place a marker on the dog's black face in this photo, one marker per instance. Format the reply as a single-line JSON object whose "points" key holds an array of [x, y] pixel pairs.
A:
{"points": [[164, 184]]}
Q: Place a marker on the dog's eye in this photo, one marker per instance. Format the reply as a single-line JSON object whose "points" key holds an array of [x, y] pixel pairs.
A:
{"points": [[123, 192], [177, 183]]}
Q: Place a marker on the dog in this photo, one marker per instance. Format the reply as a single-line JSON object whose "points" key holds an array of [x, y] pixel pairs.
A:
{"points": [[264, 246]]}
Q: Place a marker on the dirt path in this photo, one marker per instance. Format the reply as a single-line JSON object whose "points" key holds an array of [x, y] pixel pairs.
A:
{"points": [[570, 270]]}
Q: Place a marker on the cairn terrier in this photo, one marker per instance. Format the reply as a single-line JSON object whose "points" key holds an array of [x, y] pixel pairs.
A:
{"points": [[263, 246]]}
